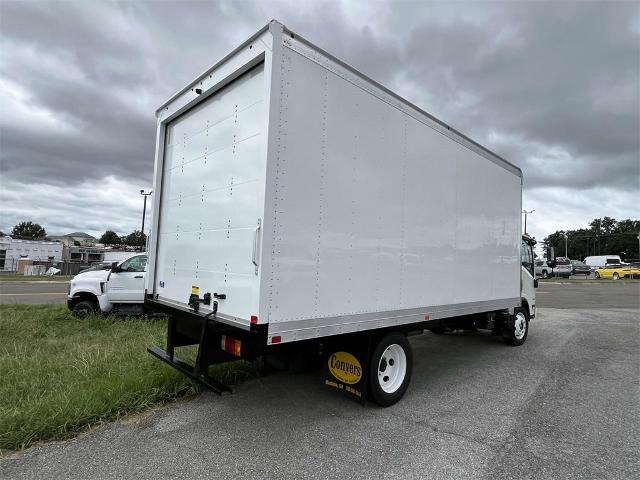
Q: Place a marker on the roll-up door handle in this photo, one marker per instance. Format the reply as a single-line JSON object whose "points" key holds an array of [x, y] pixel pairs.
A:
{"points": [[256, 236]]}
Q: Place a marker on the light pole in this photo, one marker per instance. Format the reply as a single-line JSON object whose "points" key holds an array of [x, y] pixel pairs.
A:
{"points": [[525, 219], [144, 208], [566, 239]]}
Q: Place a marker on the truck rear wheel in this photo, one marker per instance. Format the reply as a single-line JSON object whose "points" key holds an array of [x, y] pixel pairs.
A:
{"points": [[84, 309], [390, 369], [517, 328]]}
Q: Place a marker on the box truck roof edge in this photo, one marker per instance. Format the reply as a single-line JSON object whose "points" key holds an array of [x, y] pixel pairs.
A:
{"points": [[275, 23]]}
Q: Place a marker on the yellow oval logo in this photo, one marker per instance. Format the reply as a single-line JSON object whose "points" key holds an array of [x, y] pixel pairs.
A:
{"points": [[345, 367]]}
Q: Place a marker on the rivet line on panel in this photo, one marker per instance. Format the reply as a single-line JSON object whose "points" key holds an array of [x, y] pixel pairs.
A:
{"points": [[321, 185]]}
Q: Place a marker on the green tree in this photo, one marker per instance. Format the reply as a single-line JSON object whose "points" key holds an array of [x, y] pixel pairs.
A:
{"points": [[135, 239], [29, 230], [605, 236], [110, 238]]}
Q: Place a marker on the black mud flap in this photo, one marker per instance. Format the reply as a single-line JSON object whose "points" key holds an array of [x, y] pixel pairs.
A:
{"points": [[346, 365]]}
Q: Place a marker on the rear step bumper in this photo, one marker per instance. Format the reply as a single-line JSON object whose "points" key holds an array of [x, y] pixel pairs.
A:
{"points": [[189, 371], [187, 327]]}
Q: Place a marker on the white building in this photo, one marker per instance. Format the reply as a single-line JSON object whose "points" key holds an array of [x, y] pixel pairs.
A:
{"points": [[12, 249]]}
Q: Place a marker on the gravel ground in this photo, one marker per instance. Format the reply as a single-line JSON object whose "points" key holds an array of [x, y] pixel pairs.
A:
{"points": [[564, 405]]}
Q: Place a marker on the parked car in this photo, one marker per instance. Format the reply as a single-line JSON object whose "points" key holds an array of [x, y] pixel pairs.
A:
{"points": [[616, 272], [542, 269], [580, 268], [602, 261], [563, 267], [119, 289]]}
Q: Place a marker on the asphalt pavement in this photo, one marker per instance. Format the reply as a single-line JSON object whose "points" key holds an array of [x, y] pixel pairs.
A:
{"points": [[564, 405], [33, 291]]}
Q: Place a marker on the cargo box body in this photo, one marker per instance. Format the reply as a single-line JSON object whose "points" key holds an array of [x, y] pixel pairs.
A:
{"points": [[319, 203]]}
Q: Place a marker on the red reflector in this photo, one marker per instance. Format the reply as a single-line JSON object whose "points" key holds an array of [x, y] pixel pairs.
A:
{"points": [[276, 339], [426, 316], [231, 345], [254, 319]]}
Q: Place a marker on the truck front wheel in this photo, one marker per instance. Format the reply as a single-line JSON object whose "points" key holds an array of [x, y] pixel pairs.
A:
{"points": [[517, 328], [84, 309], [390, 369]]}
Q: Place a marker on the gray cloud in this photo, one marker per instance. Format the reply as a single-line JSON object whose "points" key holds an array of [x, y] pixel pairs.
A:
{"points": [[554, 87]]}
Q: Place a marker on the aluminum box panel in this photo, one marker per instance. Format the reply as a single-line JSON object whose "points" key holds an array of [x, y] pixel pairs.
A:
{"points": [[379, 210], [374, 213]]}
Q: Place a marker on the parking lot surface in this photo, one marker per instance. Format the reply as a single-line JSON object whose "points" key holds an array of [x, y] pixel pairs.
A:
{"points": [[564, 405], [33, 292]]}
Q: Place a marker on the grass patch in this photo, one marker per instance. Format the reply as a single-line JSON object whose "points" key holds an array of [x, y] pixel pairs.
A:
{"points": [[59, 375], [587, 280], [34, 278]]}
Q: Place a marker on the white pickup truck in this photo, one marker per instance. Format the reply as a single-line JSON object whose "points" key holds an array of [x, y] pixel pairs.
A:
{"points": [[118, 289]]}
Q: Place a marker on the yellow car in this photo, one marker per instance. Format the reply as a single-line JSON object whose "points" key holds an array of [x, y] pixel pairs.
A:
{"points": [[617, 272]]}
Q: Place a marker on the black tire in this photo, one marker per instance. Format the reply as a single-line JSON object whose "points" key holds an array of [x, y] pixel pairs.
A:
{"points": [[377, 364], [545, 274], [597, 275], [510, 335], [84, 309], [616, 276]]}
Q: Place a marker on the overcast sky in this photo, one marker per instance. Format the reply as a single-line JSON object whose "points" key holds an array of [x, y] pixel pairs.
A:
{"points": [[552, 87]]}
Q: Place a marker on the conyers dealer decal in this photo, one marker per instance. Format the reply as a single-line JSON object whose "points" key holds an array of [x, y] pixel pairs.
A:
{"points": [[345, 367]]}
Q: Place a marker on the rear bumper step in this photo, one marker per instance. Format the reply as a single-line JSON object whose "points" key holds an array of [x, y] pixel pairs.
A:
{"points": [[187, 327], [189, 371]]}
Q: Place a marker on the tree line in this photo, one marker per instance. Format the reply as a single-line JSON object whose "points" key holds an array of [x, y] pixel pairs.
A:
{"points": [[605, 236], [34, 231]]}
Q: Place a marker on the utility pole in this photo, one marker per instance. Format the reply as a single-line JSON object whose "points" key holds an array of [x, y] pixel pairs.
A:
{"points": [[144, 208], [525, 219]]}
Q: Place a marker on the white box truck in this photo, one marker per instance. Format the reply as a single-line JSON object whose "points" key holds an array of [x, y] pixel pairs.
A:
{"points": [[299, 204]]}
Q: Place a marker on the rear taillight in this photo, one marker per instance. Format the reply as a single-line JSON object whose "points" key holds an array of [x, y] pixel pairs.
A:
{"points": [[231, 345]]}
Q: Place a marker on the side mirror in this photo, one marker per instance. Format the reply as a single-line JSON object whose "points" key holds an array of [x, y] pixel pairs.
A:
{"points": [[551, 257], [115, 268], [535, 283]]}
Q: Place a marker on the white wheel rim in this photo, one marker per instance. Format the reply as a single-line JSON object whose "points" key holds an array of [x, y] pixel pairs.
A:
{"points": [[520, 325], [392, 368]]}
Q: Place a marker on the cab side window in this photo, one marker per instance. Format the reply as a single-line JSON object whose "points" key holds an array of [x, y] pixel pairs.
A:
{"points": [[135, 264], [526, 257]]}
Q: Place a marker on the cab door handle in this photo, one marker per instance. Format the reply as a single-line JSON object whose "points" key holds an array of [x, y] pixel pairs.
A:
{"points": [[138, 276]]}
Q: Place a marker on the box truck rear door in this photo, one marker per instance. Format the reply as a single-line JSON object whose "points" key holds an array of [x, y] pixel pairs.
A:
{"points": [[212, 199]]}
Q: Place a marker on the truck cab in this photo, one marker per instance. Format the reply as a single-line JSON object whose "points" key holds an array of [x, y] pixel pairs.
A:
{"points": [[119, 289], [528, 282]]}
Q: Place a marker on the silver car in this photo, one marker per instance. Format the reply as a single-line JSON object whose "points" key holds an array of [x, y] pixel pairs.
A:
{"points": [[563, 268]]}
